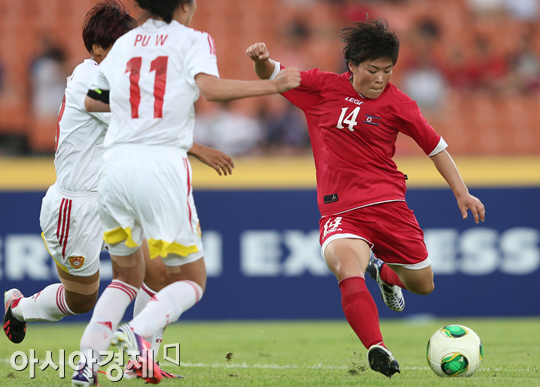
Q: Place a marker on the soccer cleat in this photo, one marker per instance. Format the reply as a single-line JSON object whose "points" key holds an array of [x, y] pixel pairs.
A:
{"points": [[84, 377], [168, 375], [139, 351], [14, 329], [381, 360], [390, 294], [129, 372]]}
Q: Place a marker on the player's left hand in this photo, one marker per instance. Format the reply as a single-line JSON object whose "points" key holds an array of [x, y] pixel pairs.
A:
{"points": [[222, 163], [470, 202]]}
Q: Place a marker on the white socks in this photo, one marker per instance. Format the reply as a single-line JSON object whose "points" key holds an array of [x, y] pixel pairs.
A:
{"points": [[166, 307], [108, 312], [145, 295], [47, 305]]}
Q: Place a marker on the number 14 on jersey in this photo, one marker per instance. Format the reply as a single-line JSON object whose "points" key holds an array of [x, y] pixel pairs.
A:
{"points": [[349, 120]]}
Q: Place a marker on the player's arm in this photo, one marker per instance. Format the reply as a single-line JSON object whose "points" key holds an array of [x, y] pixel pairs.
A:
{"points": [[262, 64], [222, 90], [447, 168], [213, 158], [97, 101]]}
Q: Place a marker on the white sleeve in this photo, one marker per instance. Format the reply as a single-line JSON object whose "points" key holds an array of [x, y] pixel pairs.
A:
{"points": [[201, 58], [439, 148], [103, 117], [277, 69], [100, 82]]}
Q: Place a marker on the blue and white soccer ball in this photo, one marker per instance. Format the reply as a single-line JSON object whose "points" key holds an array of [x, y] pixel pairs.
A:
{"points": [[454, 350]]}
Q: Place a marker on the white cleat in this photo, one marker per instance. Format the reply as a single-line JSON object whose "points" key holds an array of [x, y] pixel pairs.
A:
{"points": [[390, 294], [84, 377]]}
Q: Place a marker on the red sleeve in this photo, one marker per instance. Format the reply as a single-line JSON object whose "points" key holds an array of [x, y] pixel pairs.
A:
{"points": [[308, 93], [408, 119]]}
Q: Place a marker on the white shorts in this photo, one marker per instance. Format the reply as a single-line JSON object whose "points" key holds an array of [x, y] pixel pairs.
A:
{"points": [[146, 190], [71, 230]]}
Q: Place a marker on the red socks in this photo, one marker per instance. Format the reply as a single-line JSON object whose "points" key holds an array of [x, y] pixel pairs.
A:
{"points": [[390, 277], [360, 310]]}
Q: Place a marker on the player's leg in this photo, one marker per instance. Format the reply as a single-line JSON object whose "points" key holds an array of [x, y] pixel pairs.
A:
{"points": [[187, 286], [188, 282], [73, 296], [72, 235], [416, 281], [128, 273], [347, 259], [156, 277], [404, 261]]}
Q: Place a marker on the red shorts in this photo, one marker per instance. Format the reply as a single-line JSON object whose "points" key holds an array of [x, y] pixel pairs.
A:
{"points": [[390, 228]]}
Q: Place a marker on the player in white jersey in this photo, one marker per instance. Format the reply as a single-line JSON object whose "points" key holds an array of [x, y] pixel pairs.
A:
{"points": [[149, 81], [69, 218]]}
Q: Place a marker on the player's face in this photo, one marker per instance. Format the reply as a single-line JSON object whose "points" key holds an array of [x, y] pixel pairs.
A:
{"points": [[371, 77]]}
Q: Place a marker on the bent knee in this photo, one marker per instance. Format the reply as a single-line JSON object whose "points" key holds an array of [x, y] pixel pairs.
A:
{"points": [[423, 289], [82, 305]]}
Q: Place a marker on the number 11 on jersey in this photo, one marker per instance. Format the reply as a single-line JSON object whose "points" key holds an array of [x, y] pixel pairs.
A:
{"points": [[159, 65]]}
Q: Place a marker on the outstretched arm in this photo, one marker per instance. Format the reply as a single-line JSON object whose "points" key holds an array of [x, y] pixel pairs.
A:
{"points": [[446, 167], [213, 158], [262, 64], [214, 89]]}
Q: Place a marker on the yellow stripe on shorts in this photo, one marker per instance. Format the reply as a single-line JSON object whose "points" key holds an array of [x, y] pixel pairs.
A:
{"points": [[159, 248], [119, 235]]}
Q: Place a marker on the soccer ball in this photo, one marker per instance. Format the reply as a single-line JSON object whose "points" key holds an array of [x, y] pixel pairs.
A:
{"points": [[454, 350]]}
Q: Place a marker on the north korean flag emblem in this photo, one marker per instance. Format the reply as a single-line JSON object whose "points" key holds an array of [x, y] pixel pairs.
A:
{"points": [[76, 262], [372, 120]]}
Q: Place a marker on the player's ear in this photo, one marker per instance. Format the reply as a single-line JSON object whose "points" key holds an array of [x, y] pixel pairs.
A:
{"points": [[351, 66], [97, 50]]}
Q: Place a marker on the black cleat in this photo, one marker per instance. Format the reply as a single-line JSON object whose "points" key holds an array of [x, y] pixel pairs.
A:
{"points": [[14, 329], [381, 360]]}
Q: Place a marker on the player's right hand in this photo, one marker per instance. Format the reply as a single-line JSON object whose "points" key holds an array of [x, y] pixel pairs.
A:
{"points": [[258, 52], [287, 79]]}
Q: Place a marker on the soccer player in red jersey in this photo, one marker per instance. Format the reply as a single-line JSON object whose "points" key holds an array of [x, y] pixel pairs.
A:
{"points": [[354, 119]]}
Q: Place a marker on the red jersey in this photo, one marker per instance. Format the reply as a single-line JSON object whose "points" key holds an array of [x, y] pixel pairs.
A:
{"points": [[354, 139]]}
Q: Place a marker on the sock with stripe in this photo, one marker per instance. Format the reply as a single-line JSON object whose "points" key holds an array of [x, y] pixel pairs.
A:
{"points": [[108, 312], [47, 305], [143, 297], [390, 277], [166, 307], [360, 310]]}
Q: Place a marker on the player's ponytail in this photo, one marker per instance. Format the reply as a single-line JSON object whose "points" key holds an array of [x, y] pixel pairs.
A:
{"points": [[163, 8]]}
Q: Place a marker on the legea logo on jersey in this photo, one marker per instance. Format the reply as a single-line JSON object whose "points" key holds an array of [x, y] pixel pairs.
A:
{"points": [[76, 262]]}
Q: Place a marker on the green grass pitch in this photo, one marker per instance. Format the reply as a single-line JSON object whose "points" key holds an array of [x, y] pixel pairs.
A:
{"points": [[302, 353]]}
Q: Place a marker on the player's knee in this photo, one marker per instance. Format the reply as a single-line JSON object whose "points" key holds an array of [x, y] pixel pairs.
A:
{"points": [[424, 289], [82, 304]]}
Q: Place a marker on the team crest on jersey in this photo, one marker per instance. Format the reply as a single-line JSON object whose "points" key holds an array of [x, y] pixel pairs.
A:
{"points": [[76, 262]]}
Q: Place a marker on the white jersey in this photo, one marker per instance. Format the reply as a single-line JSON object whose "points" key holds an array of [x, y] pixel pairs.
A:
{"points": [[150, 73], [79, 135]]}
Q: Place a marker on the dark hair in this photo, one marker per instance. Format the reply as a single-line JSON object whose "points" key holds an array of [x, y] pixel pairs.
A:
{"points": [[105, 22], [369, 40], [162, 8]]}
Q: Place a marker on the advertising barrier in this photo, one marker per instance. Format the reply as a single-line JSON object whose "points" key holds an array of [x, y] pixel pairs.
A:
{"points": [[263, 255]]}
